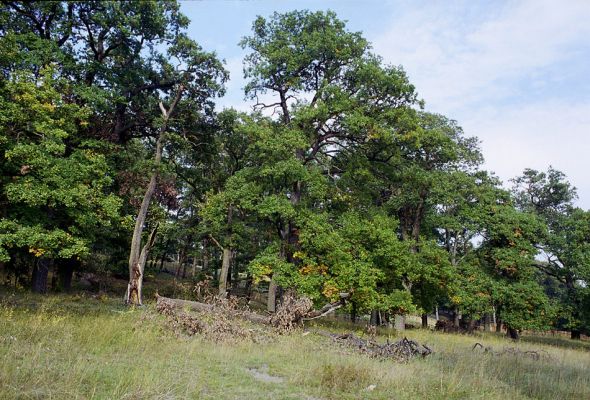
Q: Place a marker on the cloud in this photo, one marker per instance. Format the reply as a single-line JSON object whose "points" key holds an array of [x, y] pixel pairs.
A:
{"points": [[514, 74], [458, 57], [536, 136]]}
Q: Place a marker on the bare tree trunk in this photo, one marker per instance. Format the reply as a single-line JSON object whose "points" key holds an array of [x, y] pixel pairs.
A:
{"points": [[271, 304], [424, 321], [399, 322], [487, 326], [225, 266], [135, 285], [498, 325], [194, 268], [374, 320], [456, 317], [136, 265], [40, 273], [205, 256], [227, 254], [512, 333], [353, 311]]}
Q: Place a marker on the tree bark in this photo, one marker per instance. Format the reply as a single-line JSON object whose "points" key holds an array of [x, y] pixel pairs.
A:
{"points": [[498, 325], [194, 267], [205, 256], [136, 266], [487, 326], [374, 318], [513, 333], [456, 318], [66, 271], [227, 255], [135, 286], [225, 266], [271, 304], [399, 322], [424, 321], [40, 273], [353, 312]]}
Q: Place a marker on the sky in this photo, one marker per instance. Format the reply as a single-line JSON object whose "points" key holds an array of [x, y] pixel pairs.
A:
{"points": [[516, 74]]}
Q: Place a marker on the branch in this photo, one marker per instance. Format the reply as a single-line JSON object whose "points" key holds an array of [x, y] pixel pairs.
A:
{"points": [[216, 242]]}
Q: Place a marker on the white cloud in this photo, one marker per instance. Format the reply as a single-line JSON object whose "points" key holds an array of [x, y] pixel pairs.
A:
{"points": [[536, 136], [456, 58], [480, 66]]}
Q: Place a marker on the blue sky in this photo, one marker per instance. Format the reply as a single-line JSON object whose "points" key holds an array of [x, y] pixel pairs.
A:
{"points": [[516, 74]]}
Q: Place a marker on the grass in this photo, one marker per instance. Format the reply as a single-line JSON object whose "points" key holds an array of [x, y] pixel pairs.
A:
{"points": [[79, 347]]}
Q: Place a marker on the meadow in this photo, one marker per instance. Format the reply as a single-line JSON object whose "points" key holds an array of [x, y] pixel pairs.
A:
{"points": [[80, 346]]}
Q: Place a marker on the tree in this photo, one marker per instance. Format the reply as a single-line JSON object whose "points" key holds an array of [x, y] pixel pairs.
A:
{"points": [[327, 87], [57, 187], [507, 256], [119, 58], [565, 249]]}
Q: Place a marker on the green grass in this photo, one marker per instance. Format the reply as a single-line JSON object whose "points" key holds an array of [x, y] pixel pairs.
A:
{"points": [[72, 346]]}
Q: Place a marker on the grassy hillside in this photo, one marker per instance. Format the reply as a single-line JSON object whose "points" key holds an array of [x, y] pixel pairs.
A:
{"points": [[67, 347]]}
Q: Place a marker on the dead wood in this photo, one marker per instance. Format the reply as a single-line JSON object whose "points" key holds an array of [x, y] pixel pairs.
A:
{"points": [[512, 351], [402, 350], [210, 308], [291, 313]]}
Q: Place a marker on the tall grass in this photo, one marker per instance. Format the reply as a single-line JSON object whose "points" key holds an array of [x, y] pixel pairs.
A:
{"points": [[71, 347]]}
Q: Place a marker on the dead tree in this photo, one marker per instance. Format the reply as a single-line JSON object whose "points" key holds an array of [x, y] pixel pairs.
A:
{"points": [[136, 264]]}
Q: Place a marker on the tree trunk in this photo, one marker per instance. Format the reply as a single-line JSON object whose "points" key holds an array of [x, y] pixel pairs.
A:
{"points": [[271, 304], [498, 325], [225, 268], [456, 318], [424, 321], [487, 326], [399, 322], [576, 335], [136, 265], [66, 271], [205, 256], [194, 268], [436, 311], [227, 254], [513, 333], [40, 272], [353, 312], [135, 286], [375, 320]]}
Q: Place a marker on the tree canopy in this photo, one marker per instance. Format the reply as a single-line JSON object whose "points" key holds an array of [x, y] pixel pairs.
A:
{"points": [[339, 182]]}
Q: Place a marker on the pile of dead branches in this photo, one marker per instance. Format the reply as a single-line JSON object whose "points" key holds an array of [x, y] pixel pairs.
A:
{"points": [[511, 351], [216, 321], [290, 314], [402, 350]]}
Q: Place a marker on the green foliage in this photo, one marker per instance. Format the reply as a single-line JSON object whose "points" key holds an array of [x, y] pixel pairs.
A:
{"points": [[339, 182], [58, 194]]}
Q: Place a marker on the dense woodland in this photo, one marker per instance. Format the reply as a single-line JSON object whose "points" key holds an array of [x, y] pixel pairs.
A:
{"points": [[113, 156]]}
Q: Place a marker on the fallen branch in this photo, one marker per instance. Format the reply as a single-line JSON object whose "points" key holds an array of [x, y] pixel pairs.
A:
{"points": [[534, 354], [210, 308], [290, 314], [402, 350]]}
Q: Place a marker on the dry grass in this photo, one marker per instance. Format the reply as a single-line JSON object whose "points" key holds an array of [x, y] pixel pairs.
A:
{"points": [[68, 347]]}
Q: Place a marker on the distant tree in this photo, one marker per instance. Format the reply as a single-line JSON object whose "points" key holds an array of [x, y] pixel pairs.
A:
{"points": [[565, 249]]}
